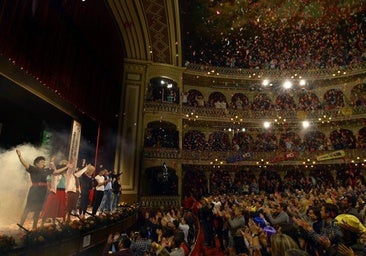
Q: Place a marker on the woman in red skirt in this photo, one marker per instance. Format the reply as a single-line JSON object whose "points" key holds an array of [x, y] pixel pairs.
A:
{"points": [[55, 205]]}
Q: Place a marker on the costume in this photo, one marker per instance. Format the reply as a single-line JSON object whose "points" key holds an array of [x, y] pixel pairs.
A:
{"points": [[85, 186], [105, 205], [55, 205], [72, 189], [116, 194], [99, 193], [37, 193]]}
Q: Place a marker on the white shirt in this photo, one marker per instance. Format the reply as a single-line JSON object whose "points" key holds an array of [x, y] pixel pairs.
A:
{"points": [[100, 179], [71, 175]]}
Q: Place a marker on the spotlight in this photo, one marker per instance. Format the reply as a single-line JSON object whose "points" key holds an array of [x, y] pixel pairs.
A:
{"points": [[302, 82], [265, 82], [287, 85]]}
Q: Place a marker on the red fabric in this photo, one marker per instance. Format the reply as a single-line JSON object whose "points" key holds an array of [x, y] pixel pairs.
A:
{"points": [[91, 195], [188, 202], [55, 205], [185, 249]]}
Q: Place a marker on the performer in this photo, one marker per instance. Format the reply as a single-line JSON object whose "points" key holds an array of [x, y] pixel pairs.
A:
{"points": [[55, 204], [37, 192], [99, 189], [117, 191], [73, 188], [85, 185]]}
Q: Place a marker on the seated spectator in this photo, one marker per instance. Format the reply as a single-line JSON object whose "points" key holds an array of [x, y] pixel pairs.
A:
{"points": [[123, 246], [280, 243], [141, 244]]}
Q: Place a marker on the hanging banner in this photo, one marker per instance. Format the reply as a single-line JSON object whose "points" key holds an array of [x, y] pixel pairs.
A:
{"points": [[332, 155], [75, 142], [241, 157], [287, 156]]}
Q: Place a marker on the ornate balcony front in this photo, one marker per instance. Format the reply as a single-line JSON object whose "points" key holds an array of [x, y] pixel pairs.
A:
{"points": [[355, 156]]}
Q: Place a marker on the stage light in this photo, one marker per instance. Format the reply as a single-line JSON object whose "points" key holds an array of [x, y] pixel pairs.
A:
{"points": [[287, 85], [265, 82]]}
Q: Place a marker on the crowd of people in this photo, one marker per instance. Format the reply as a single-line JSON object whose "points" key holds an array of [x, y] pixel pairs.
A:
{"points": [[306, 101], [60, 191], [221, 180], [321, 222], [163, 232], [294, 218], [256, 141], [332, 38]]}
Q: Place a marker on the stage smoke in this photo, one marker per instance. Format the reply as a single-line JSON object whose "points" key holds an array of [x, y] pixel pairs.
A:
{"points": [[15, 183]]}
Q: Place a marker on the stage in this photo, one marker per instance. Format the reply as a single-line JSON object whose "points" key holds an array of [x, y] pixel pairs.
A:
{"points": [[78, 237]]}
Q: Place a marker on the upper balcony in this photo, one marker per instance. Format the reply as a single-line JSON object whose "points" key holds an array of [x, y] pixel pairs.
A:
{"points": [[230, 115], [204, 75]]}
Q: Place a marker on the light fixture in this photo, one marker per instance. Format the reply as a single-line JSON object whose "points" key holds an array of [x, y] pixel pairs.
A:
{"points": [[265, 82], [266, 124], [287, 85]]}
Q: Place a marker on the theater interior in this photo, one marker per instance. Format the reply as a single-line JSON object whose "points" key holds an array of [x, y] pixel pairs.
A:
{"points": [[222, 92]]}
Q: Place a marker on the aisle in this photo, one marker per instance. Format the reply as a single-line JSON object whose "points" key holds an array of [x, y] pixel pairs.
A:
{"points": [[212, 251]]}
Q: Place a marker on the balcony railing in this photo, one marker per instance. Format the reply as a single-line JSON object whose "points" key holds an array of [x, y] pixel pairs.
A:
{"points": [[198, 69], [207, 112], [160, 201], [265, 158]]}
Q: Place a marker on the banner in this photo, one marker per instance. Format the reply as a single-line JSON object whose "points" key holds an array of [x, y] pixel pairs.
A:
{"points": [[333, 155], [241, 157], [285, 157], [75, 142]]}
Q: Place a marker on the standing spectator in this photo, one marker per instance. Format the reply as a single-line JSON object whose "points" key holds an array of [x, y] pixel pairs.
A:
{"points": [[281, 214], [185, 98], [347, 204], [330, 232], [206, 216], [236, 224], [280, 243]]}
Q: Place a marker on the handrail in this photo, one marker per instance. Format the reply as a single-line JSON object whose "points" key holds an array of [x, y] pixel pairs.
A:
{"points": [[261, 158], [254, 74], [189, 112]]}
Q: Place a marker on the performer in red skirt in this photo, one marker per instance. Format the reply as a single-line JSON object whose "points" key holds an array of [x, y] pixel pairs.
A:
{"points": [[55, 205]]}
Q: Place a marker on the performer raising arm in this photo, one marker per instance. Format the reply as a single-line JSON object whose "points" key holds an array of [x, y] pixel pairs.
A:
{"points": [[37, 192]]}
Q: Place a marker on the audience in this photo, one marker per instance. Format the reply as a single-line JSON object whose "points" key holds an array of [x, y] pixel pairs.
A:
{"points": [[296, 40]]}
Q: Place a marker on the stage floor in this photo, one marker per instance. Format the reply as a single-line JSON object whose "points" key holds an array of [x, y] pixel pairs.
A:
{"points": [[18, 233]]}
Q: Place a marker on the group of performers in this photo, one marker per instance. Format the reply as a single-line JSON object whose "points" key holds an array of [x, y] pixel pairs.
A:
{"points": [[55, 190]]}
